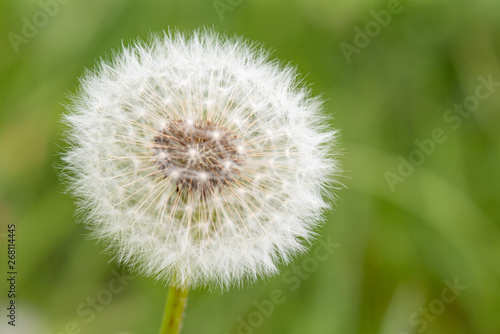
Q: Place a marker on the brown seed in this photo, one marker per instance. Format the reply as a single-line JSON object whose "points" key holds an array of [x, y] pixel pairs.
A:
{"points": [[197, 155]]}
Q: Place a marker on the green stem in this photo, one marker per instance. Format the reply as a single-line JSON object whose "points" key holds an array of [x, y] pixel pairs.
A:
{"points": [[174, 310]]}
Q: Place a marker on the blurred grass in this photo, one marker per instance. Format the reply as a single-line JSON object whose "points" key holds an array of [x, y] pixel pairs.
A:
{"points": [[396, 249]]}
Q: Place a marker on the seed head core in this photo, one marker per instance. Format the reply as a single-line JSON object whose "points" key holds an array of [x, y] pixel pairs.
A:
{"points": [[197, 155]]}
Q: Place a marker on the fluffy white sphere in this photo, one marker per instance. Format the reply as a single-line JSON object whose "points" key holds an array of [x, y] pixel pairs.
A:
{"points": [[199, 161]]}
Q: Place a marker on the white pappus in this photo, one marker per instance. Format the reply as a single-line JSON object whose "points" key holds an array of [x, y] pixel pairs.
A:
{"points": [[198, 160]]}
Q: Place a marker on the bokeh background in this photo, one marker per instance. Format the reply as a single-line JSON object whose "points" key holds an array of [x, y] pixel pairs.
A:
{"points": [[397, 246]]}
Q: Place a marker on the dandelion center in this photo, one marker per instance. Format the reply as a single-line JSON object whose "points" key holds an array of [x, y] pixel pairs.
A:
{"points": [[197, 155]]}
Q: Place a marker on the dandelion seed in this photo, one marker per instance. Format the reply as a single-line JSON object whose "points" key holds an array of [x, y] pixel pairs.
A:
{"points": [[220, 154]]}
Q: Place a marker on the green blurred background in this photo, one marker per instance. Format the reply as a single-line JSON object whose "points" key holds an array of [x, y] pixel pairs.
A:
{"points": [[397, 247]]}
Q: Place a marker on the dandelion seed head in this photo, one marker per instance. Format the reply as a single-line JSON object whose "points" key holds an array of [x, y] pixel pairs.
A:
{"points": [[198, 160]]}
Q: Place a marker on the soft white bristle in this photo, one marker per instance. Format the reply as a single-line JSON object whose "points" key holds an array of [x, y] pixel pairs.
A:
{"points": [[198, 160]]}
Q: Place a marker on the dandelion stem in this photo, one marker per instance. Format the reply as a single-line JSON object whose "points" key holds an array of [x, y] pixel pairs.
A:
{"points": [[174, 310]]}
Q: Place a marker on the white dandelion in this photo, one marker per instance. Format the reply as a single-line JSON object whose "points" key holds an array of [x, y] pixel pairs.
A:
{"points": [[198, 161]]}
